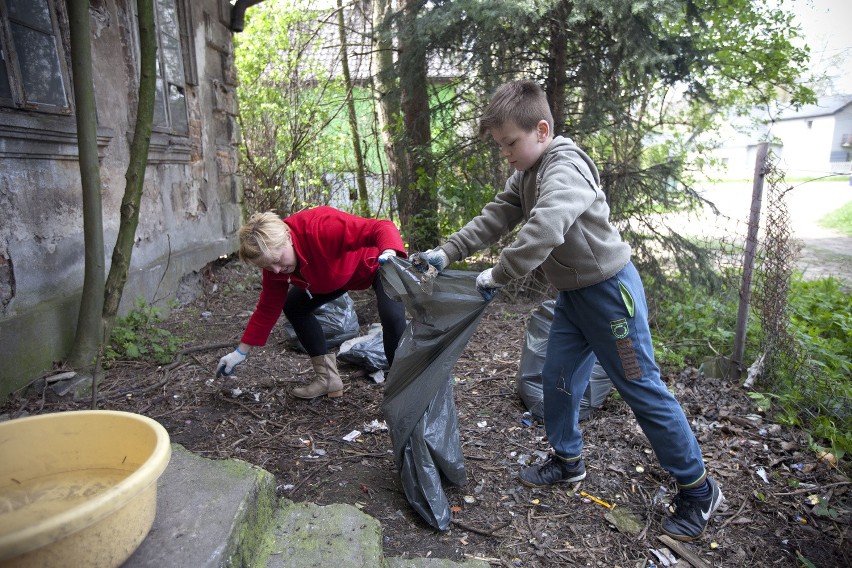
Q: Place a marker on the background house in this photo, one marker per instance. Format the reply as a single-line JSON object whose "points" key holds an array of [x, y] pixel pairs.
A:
{"points": [[190, 208], [813, 141], [816, 139]]}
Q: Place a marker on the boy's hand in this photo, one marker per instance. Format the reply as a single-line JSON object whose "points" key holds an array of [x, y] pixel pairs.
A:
{"points": [[437, 258], [229, 362], [485, 284]]}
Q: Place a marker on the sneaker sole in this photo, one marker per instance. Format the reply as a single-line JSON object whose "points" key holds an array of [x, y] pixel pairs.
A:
{"points": [[580, 477]]}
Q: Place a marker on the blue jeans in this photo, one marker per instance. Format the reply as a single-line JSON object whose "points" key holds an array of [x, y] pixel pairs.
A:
{"points": [[610, 321]]}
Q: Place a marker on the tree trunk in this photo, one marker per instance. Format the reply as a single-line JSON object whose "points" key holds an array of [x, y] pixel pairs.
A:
{"points": [[89, 332], [386, 93], [418, 204], [557, 64], [135, 176], [363, 207]]}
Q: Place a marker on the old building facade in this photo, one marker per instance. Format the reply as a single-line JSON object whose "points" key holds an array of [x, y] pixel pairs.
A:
{"points": [[190, 206]]}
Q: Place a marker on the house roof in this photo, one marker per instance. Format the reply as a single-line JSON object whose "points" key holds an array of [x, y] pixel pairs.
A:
{"points": [[826, 106]]}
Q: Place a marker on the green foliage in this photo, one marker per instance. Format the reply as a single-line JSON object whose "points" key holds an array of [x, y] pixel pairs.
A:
{"points": [[296, 147], [821, 315], [138, 336], [809, 387], [694, 323], [839, 219]]}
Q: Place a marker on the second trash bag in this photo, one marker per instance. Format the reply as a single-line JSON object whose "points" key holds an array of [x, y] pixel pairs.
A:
{"points": [[532, 360], [418, 404]]}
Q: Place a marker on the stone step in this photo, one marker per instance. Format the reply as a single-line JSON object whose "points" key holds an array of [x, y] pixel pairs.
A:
{"points": [[224, 513]]}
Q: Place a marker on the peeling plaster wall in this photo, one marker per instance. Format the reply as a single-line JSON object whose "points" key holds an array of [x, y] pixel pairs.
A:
{"points": [[190, 207]]}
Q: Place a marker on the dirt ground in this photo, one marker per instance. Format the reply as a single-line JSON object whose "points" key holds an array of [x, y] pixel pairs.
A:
{"points": [[783, 503]]}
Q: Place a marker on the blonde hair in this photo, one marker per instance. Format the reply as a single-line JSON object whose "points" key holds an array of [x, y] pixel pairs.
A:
{"points": [[523, 102], [261, 233]]}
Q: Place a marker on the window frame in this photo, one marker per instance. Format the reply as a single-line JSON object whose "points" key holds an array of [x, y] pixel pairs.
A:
{"points": [[10, 57], [162, 86]]}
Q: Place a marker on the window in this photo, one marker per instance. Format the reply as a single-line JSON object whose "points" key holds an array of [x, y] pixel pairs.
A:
{"points": [[32, 63], [170, 103]]}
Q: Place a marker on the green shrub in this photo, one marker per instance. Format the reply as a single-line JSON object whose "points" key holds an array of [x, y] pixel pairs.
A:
{"points": [[807, 384], [138, 336]]}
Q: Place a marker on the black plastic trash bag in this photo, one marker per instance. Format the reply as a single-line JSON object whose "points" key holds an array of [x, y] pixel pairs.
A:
{"points": [[367, 351], [338, 320], [532, 360], [418, 404]]}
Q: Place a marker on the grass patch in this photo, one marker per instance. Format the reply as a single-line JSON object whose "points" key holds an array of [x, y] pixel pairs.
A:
{"points": [[839, 219]]}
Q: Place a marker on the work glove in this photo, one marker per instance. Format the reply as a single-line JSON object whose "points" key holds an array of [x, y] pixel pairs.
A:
{"points": [[485, 284], [437, 258], [229, 362], [386, 255]]}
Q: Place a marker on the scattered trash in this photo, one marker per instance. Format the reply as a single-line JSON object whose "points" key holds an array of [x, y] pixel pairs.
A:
{"points": [[596, 500], [665, 556], [482, 423], [469, 499], [375, 426], [351, 436], [762, 474], [206, 315], [659, 495], [640, 469], [800, 519], [827, 457]]}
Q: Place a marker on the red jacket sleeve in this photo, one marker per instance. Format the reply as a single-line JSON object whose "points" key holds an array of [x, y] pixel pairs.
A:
{"points": [[273, 295]]}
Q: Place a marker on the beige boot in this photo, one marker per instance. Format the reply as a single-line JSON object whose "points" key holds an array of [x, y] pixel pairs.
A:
{"points": [[327, 381]]}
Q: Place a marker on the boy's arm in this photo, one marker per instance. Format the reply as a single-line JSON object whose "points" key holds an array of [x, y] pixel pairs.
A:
{"points": [[567, 190], [496, 219]]}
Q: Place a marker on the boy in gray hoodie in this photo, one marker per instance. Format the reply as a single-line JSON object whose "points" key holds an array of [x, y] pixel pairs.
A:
{"points": [[601, 310]]}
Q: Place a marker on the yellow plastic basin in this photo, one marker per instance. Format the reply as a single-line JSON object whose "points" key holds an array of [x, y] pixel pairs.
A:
{"points": [[78, 488]]}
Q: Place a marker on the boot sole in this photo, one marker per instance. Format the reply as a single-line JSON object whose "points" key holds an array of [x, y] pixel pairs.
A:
{"points": [[333, 394]]}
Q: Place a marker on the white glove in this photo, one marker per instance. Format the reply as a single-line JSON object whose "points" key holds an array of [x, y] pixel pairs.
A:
{"points": [[437, 258], [229, 362], [386, 255], [485, 284]]}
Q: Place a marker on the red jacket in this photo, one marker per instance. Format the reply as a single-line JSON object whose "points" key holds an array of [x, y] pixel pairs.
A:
{"points": [[336, 251]]}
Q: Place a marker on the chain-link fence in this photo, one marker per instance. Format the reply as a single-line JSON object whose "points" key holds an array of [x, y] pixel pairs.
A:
{"points": [[787, 366]]}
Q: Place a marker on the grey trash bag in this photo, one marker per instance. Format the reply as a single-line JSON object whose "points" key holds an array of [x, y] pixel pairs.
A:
{"points": [[418, 404], [338, 320], [532, 360], [367, 351]]}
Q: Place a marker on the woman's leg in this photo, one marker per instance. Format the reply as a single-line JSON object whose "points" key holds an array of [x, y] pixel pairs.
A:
{"points": [[392, 318], [299, 311]]}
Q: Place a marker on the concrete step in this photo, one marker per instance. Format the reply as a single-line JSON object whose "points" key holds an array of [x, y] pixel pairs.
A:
{"points": [[224, 513]]}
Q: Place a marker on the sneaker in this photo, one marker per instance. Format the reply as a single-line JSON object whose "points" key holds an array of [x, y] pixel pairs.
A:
{"points": [[691, 515], [554, 470]]}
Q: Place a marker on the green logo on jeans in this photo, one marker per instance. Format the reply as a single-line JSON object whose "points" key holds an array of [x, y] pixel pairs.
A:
{"points": [[619, 328]]}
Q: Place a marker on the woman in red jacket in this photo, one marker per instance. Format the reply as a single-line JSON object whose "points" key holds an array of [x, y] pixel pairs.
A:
{"points": [[309, 259]]}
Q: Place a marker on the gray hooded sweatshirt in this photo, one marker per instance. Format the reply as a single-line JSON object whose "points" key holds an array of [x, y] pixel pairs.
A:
{"points": [[566, 223]]}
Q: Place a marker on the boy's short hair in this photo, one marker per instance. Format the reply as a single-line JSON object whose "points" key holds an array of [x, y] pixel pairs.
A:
{"points": [[261, 233], [523, 102]]}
